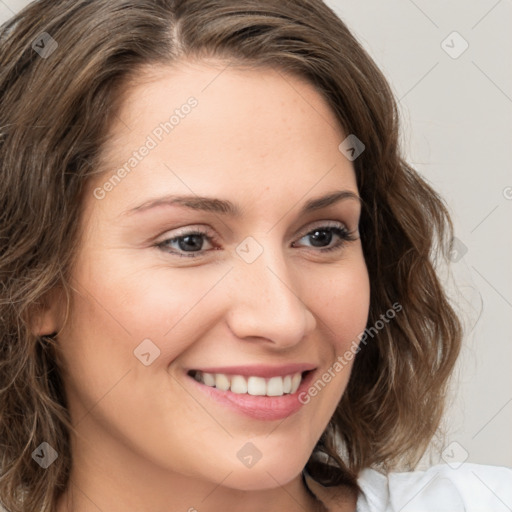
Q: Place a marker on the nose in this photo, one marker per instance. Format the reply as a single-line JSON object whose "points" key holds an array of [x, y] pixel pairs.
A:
{"points": [[266, 302]]}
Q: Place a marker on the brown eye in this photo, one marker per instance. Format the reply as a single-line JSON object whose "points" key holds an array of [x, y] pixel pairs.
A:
{"points": [[322, 236], [189, 244]]}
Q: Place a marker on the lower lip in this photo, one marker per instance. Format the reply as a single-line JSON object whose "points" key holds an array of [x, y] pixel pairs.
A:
{"points": [[266, 408]]}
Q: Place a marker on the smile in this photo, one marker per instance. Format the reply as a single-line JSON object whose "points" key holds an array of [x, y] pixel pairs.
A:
{"points": [[265, 393], [250, 385]]}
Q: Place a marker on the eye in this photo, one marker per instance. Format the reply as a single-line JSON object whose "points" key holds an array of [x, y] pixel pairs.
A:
{"points": [[322, 237], [190, 244]]}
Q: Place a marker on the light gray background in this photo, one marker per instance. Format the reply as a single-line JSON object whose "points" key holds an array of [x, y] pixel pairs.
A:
{"points": [[456, 131]]}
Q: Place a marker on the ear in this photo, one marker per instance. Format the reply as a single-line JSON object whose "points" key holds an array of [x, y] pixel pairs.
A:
{"points": [[46, 317]]}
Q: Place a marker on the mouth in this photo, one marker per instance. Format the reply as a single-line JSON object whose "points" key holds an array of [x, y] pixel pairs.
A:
{"points": [[251, 385], [271, 394]]}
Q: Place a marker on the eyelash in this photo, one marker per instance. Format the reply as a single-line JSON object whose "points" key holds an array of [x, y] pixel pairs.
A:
{"points": [[338, 229]]}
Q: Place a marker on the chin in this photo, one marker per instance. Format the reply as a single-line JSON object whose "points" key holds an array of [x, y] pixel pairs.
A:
{"points": [[269, 474]]}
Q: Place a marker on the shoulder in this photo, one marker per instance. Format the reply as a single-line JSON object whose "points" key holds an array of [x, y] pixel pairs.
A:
{"points": [[468, 488], [441, 488]]}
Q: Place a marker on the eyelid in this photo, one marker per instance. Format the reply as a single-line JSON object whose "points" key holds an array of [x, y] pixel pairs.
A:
{"points": [[186, 230], [323, 224]]}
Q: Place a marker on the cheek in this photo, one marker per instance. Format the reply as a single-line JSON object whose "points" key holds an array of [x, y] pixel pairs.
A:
{"points": [[127, 304], [342, 306], [113, 312], [342, 302]]}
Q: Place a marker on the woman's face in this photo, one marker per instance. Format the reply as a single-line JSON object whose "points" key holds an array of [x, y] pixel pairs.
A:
{"points": [[255, 295]]}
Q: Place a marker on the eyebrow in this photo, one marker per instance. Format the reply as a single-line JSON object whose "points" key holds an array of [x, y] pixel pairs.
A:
{"points": [[225, 207]]}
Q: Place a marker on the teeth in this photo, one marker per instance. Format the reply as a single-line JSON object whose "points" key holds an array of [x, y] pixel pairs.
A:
{"points": [[208, 378], [238, 384], [256, 386], [287, 384], [295, 382], [221, 382], [275, 386]]}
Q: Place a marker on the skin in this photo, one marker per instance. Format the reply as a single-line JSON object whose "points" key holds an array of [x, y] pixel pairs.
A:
{"points": [[146, 439]]}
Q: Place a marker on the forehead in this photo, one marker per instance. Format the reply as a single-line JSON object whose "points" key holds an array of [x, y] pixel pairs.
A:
{"points": [[247, 128]]}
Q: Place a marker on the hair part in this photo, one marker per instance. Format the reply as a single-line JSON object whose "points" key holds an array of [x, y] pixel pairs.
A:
{"points": [[55, 116]]}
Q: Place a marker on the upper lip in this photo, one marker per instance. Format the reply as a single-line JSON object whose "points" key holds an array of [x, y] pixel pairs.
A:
{"points": [[260, 370]]}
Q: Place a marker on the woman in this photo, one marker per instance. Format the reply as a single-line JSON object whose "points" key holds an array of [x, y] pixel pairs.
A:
{"points": [[296, 355]]}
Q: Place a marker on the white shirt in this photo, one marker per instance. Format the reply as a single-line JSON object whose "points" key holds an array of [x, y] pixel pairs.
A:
{"points": [[469, 488], [441, 488]]}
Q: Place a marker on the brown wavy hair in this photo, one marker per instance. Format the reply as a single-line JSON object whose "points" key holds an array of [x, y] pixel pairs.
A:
{"points": [[55, 113]]}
